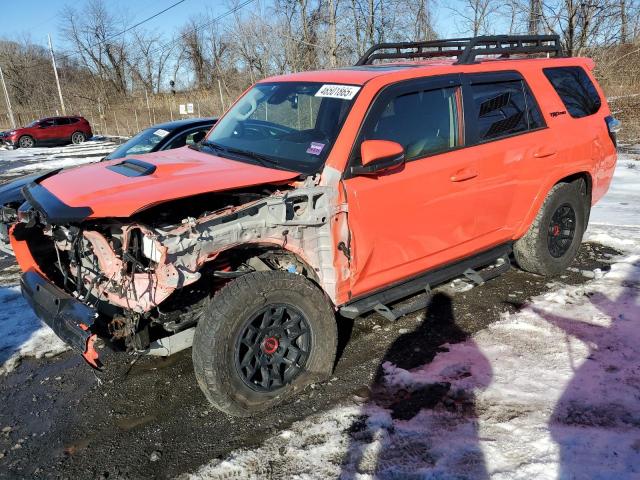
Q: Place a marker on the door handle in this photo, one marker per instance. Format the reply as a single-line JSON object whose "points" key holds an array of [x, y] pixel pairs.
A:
{"points": [[464, 174], [544, 153]]}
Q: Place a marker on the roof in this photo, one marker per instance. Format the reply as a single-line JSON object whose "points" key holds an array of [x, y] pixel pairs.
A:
{"points": [[359, 75]]}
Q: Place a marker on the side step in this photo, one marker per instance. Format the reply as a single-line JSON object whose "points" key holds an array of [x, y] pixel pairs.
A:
{"points": [[493, 262]]}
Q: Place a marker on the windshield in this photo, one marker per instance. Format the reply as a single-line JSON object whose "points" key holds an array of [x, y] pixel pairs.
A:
{"points": [[143, 142], [289, 125], [35, 123]]}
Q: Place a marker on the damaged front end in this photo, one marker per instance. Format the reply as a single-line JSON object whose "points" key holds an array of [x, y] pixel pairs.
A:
{"points": [[11, 198], [135, 282]]}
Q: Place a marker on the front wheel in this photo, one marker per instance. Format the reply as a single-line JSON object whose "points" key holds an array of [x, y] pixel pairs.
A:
{"points": [[26, 142], [552, 241], [78, 137], [263, 336]]}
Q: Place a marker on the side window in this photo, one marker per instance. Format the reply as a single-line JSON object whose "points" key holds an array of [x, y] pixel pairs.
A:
{"points": [[187, 138], [61, 121], [74, 120], [576, 90], [46, 123], [423, 122], [503, 109]]}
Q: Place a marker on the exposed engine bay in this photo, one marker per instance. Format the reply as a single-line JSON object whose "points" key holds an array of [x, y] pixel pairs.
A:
{"points": [[151, 275]]}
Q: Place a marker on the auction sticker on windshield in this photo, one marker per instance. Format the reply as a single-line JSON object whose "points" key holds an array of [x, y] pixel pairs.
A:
{"points": [[315, 148], [344, 92], [161, 133]]}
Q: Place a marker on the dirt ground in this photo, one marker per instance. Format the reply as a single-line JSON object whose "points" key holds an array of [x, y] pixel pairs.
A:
{"points": [[145, 417]]}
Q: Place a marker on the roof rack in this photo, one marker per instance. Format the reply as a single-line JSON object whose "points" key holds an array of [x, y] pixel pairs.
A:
{"points": [[465, 49]]}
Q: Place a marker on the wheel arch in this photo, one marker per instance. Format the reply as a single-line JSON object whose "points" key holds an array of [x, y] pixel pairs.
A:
{"points": [[245, 252], [580, 176]]}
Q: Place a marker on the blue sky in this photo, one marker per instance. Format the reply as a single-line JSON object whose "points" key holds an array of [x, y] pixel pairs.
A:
{"points": [[39, 17]]}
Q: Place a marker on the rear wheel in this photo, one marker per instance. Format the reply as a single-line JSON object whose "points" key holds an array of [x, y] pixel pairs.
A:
{"points": [[552, 241], [26, 142], [262, 337], [78, 137]]}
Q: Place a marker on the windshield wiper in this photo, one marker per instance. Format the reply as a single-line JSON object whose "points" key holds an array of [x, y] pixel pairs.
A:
{"points": [[262, 159]]}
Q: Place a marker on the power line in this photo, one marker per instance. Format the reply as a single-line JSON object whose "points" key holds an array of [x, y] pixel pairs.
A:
{"points": [[200, 27], [114, 35]]}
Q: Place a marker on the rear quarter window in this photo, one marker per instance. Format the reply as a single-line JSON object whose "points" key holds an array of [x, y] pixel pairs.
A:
{"points": [[576, 90], [504, 109]]}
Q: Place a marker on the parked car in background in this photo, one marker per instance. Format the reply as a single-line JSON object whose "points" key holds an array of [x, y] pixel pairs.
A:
{"points": [[49, 131], [164, 136]]}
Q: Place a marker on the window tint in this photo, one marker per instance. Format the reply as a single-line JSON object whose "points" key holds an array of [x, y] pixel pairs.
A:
{"points": [[62, 121], [504, 108], [46, 123], [423, 122], [576, 90], [74, 120]]}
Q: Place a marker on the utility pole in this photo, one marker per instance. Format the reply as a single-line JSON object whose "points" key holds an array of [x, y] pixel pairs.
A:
{"points": [[6, 97], [55, 71]]}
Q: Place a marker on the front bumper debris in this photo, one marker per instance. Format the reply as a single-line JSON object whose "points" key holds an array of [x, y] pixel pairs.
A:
{"points": [[5, 245], [69, 318]]}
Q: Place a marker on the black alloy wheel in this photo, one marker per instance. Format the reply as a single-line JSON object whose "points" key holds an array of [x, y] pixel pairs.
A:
{"points": [[273, 348], [561, 231]]}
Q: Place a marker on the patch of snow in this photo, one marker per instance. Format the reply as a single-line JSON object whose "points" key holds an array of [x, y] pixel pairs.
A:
{"points": [[552, 391], [22, 334]]}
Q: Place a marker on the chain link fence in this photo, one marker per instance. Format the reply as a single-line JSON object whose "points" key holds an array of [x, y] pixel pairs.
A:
{"points": [[129, 115]]}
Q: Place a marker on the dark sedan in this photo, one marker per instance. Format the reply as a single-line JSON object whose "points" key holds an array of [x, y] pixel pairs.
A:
{"points": [[164, 136]]}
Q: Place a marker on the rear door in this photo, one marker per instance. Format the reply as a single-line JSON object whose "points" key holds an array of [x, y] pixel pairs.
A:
{"points": [[509, 142], [407, 221], [60, 130]]}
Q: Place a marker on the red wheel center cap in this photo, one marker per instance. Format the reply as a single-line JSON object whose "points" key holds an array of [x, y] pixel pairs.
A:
{"points": [[270, 345], [556, 230]]}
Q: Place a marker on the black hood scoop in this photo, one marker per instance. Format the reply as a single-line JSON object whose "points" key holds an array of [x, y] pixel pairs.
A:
{"points": [[133, 168]]}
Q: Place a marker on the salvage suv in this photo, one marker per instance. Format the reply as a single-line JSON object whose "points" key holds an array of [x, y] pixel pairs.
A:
{"points": [[322, 193]]}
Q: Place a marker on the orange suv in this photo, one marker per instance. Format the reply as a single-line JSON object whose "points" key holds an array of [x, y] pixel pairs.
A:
{"points": [[341, 191]]}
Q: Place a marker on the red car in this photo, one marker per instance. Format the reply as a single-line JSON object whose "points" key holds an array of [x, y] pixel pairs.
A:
{"points": [[49, 131]]}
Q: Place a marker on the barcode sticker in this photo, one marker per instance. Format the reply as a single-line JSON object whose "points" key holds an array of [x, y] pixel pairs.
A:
{"points": [[344, 92]]}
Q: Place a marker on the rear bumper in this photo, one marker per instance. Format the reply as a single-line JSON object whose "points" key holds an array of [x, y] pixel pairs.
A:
{"points": [[70, 319]]}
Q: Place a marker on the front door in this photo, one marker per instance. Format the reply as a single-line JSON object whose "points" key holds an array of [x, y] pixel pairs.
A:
{"points": [[423, 215]]}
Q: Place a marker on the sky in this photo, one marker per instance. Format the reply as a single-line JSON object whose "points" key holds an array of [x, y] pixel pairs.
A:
{"points": [[41, 16]]}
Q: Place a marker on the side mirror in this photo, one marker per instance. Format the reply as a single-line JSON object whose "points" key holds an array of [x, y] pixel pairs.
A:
{"points": [[379, 156]]}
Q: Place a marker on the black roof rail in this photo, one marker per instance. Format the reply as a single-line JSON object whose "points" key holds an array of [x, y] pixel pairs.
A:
{"points": [[465, 49]]}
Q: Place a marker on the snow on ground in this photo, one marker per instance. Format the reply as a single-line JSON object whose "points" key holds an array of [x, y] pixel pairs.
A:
{"points": [[552, 391], [21, 333], [23, 161]]}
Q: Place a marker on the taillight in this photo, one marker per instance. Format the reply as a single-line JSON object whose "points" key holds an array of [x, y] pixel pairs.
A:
{"points": [[613, 127]]}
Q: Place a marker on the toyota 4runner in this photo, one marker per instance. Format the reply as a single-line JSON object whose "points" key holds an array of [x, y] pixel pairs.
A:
{"points": [[317, 193]]}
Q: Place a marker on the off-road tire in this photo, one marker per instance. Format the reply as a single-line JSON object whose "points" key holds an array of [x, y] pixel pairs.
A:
{"points": [[78, 138], [533, 251], [224, 320], [26, 141]]}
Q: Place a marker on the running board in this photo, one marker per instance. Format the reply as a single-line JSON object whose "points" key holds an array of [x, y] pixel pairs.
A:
{"points": [[491, 263]]}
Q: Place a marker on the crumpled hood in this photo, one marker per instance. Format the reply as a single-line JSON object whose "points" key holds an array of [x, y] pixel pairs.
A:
{"points": [[109, 190]]}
